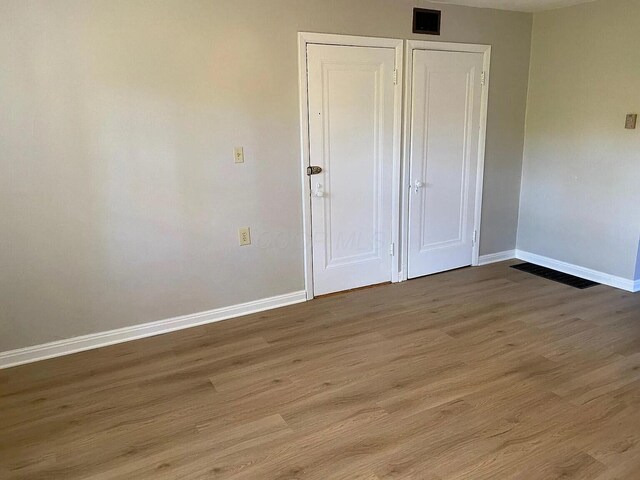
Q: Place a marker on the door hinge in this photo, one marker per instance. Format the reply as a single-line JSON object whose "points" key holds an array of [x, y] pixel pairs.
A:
{"points": [[483, 78], [395, 76], [475, 237], [392, 249]]}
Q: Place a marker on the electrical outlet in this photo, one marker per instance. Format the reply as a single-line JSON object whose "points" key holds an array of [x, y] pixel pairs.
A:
{"points": [[630, 123], [238, 154], [244, 235]]}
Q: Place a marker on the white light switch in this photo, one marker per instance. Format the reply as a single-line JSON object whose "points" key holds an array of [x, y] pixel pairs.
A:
{"points": [[238, 154], [244, 235]]}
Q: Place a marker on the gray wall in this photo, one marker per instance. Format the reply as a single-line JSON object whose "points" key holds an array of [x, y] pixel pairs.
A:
{"points": [[580, 200], [119, 199]]}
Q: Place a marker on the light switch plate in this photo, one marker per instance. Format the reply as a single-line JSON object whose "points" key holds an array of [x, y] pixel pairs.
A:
{"points": [[630, 123], [244, 236], [238, 154]]}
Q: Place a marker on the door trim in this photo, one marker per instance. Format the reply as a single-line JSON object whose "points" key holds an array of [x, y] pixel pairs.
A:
{"points": [[305, 38], [413, 45]]}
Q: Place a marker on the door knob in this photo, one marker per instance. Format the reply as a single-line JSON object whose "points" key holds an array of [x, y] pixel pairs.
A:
{"points": [[418, 185]]}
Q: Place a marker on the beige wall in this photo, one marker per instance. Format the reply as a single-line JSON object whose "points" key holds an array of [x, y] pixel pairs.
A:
{"points": [[580, 199], [119, 199]]}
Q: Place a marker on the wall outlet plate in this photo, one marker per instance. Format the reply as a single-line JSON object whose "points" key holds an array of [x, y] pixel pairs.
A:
{"points": [[238, 155], [244, 236], [630, 123]]}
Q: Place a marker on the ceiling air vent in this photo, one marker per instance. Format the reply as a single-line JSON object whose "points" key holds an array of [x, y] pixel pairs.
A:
{"points": [[426, 21]]}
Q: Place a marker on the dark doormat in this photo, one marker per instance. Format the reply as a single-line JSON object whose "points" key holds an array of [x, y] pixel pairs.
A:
{"points": [[554, 275]]}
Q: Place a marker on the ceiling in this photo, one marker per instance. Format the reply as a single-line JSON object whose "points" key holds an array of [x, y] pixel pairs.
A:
{"points": [[520, 5]]}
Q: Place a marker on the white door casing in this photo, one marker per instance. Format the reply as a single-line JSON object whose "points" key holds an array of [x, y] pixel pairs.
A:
{"points": [[446, 120], [351, 127]]}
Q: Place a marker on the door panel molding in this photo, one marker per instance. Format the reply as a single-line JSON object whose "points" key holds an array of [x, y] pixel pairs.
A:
{"points": [[305, 39], [462, 232], [411, 47], [333, 260]]}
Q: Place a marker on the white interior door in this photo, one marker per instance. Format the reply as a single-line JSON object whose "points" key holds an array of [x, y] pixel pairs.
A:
{"points": [[351, 128], [445, 129]]}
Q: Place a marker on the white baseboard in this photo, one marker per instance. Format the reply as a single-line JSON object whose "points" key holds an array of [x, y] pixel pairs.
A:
{"points": [[496, 257], [578, 271], [102, 339]]}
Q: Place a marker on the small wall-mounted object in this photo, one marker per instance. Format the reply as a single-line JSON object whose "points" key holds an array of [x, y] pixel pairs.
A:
{"points": [[244, 236], [238, 154], [630, 123], [426, 21]]}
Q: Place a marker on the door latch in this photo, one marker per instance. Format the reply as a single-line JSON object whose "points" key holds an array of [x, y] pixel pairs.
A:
{"points": [[313, 170]]}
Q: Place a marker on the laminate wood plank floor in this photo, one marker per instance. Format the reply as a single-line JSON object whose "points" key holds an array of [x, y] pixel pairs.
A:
{"points": [[479, 373]]}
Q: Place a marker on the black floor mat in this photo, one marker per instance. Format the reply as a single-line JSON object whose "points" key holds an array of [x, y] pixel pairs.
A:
{"points": [[554, 275]]}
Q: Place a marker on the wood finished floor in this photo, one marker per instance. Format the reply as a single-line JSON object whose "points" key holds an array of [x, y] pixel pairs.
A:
{"points": [[484, 373]]}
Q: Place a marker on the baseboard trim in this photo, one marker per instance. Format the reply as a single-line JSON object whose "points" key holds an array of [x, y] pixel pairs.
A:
{"points": [[578, 271], [496, 257], [636, 286], [58, 348]]}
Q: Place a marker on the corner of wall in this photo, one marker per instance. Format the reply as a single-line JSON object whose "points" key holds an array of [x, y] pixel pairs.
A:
{"points": [[524, 136], [636, 277]]}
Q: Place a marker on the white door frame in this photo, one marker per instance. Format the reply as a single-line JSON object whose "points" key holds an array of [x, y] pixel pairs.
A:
{"points": [[305, 38], [413, 45]]}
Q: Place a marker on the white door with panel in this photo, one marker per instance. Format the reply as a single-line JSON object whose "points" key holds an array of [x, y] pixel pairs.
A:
{"points": [[351, 131], [445, 130]]}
